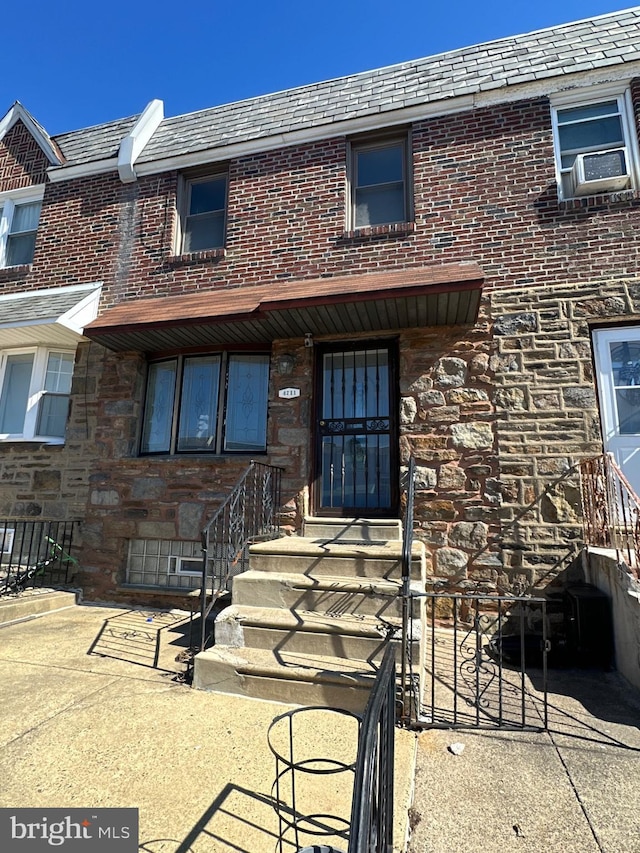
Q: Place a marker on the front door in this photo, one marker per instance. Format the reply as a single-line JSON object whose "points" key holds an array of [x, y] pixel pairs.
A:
{"points": [[356, 430], [617, 359]]}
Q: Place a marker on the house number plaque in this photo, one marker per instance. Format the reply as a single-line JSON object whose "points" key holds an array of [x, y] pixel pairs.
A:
{"points": [[289, 393]]}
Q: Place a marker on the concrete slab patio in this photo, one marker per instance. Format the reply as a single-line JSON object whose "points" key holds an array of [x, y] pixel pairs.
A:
{"points": [[93, 714]]}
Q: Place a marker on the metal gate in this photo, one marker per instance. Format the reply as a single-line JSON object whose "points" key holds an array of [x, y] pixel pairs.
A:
{"points": [[483, 662]]}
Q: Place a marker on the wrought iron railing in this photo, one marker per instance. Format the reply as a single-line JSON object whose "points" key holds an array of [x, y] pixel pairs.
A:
{"points": [[407, 634], [372, 804], [611, 509], [249, 514], [482, 654], [35, 553]]}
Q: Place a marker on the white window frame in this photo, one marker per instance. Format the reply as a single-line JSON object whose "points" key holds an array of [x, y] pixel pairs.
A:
{"points": [[36, 391], [178, 565], [595, 95], [7, 535], [8, 202], [184, 202], [371, 143]]}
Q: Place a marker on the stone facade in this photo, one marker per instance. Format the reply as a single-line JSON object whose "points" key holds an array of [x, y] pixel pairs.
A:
{"points": [[496, 414]]}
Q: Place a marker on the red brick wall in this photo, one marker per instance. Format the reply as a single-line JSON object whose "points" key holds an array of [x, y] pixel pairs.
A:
{"points": [[22, 162], [484, 191]]}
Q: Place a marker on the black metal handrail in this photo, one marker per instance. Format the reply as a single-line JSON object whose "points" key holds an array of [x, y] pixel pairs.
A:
{"points": [[35, 552], [407, 549], [249, 514], [372, 803]]}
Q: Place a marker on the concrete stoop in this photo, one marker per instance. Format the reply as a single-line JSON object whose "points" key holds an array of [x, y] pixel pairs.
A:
{"points": [[311, 619], [34, 602]]}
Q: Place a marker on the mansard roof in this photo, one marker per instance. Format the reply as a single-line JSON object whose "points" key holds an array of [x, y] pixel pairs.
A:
{"points": [[608, 45]]}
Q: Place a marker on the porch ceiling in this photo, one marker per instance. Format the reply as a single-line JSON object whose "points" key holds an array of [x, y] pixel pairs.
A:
{"points": [[426, 296]]}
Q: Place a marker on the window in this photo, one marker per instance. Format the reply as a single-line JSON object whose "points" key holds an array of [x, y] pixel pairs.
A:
{"points": [[207, 404], [19, 216], [594, 146], [379, 183], [203, 221], [34, 400]]}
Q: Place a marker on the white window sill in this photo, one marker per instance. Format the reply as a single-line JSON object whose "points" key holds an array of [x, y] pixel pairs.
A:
{"points": [[19, 439]]}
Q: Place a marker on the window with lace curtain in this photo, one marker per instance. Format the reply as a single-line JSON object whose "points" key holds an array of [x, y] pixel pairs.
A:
{"points": [[213, 403]]}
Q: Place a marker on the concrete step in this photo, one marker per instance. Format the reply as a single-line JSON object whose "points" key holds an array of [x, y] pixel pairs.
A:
{"points": [[362, 638], [282, 676], [34, 602], [364, 530], [297, 554], [325, 594]]}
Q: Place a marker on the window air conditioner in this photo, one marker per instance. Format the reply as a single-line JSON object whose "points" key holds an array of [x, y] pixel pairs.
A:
{"points": [[601, 171]]}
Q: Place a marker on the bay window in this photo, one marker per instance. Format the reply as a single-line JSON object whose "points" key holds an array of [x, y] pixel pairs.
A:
{"points": [[34, 397]]}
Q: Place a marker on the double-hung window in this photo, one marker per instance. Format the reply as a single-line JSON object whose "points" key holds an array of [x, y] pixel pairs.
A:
{"points": [[213, 403], [34, 397], [19, 217], [379, 178], [595, 145], [204, 206]]}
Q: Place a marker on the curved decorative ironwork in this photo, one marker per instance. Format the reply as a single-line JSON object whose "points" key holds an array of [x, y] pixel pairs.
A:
{"points": [[249, 514]]}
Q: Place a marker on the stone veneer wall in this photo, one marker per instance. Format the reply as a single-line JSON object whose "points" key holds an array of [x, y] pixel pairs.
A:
{"points": [[547, 414], [447, 424]]}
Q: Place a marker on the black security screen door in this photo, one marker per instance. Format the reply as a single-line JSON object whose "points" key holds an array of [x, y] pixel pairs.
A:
{"points": [[356, 431]]}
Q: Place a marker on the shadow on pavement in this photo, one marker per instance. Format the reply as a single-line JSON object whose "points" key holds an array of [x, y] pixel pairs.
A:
{"points": [[150, 638]]}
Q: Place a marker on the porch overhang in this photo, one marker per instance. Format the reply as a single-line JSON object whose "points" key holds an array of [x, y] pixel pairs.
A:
{"points": [[444, 295], [54, 317]]}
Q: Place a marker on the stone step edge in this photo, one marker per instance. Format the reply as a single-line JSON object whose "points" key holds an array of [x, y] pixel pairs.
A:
{"points": [[265, 663], [334, 583], [310, 621], [300, 546], [25, 615]]}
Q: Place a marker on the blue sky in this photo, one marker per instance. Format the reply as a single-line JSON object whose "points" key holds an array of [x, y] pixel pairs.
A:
{"points": [[76, 63]]}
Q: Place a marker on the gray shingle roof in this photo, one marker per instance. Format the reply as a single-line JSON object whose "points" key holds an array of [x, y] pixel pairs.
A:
{"points": [[607, 40], [94, 143], [38, 307]]}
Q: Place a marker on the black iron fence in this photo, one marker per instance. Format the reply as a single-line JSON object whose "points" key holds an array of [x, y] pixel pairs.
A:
{"points": [[35, 553], [485, 662], [249, 514], [372, 804], [407, 548]]}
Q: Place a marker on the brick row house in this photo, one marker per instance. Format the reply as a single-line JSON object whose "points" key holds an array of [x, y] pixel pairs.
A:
{"points": [[437, 259]]}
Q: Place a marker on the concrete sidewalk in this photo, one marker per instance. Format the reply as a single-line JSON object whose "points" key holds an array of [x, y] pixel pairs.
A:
{"points": [[572, 789], [94, 715]]}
